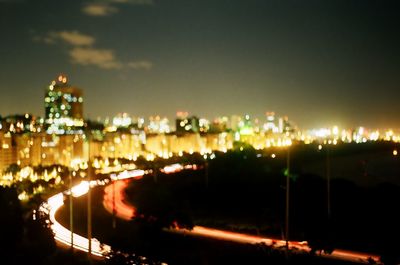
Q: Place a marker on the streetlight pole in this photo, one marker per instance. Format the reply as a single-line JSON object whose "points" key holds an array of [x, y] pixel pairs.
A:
{"points": [[89, 205], [89, 215], [287, 199], [206, 173], [114, 221], [71, 212], [328, 181]]}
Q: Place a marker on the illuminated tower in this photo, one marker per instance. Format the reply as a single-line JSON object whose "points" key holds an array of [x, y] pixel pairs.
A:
{"points": [[63, 107]]}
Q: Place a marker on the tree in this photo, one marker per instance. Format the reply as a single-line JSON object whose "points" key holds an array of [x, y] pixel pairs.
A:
{"points": [[40, 241], [11, 228]]}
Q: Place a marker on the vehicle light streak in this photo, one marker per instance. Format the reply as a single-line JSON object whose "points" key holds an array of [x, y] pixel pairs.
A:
{"points": [[80, 189], [62, 234], [174, 168], [122, 210], [127, 174], [127, 212], [354, 256]]}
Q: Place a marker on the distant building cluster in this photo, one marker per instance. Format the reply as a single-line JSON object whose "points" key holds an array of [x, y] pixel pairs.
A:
{"points": [[63, 136]]}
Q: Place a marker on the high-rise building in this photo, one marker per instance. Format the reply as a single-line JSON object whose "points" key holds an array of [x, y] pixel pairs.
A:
{"points": [[63, 107], [270, 125], [185, 124], [158, 125]]}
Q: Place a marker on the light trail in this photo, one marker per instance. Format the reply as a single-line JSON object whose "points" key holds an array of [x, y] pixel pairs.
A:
{"points": [[122, 210], [174, 168], [126, 211], [62, 234]]}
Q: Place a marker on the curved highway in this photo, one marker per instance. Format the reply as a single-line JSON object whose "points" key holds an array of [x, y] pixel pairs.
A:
{"points": [[61, 233], [114, 198], [126, 211]]}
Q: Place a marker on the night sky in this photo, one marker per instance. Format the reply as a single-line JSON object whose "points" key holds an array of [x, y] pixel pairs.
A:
{"points": [[319, 62]]}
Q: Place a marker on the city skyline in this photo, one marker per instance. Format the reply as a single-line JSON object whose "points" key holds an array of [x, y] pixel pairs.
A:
{"points": [[319, 64]]}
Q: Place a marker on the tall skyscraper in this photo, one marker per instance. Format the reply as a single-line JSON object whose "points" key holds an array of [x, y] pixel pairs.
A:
{"points": [[63, 107]]}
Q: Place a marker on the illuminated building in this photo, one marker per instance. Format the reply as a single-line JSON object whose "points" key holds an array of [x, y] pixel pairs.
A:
{"points": [[118, 144], [185, 124], [122, 120], [7, 150], [158, 125], [287, 126], [219, 125], [245, 126], [125, 122], [20, 123], [204, 125], [235, 123], [63, 107], [165, 144], [280, 125], [218, 141], [270, 125]]}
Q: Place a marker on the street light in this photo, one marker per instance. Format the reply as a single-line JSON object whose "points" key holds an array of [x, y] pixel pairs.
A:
{"points": [[71, 210], [89, 210], [89, 202], [328, 181], [287, 198], [114, 221], [206, 169], [207, 174]]}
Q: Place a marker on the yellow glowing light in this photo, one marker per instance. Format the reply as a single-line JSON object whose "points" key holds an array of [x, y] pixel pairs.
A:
{"points": [[319, 147], [23, 196], [273, 155], [96, 163], [395, 152]]}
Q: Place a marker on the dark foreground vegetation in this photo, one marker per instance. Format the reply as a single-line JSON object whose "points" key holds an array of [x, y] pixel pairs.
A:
{"points": [[144, 238], [244, 190]]}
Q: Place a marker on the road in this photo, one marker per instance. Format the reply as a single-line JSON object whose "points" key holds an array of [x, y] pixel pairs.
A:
{"points": [[114, 198], [126, 211], [61, 234]]}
